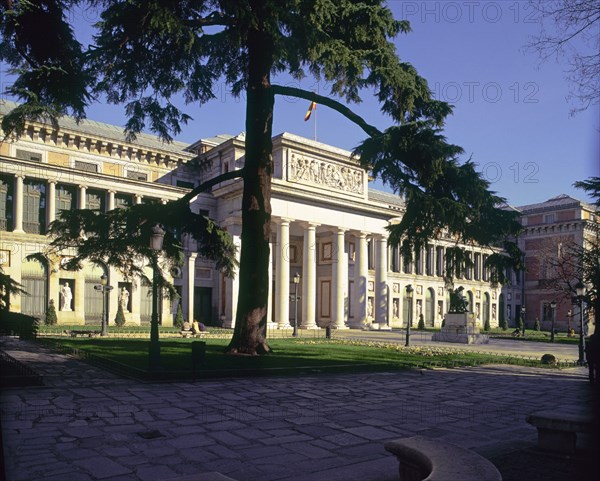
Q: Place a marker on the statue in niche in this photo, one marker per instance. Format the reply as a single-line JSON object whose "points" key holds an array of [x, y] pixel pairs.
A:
{"points": [[124, 299], [66, 296]]}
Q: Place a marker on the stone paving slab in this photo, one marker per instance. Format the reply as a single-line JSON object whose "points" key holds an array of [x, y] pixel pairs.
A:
{"points": [[89, 425]]}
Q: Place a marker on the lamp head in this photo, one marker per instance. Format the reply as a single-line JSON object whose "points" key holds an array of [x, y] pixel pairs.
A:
{"points": [[580, 289], [103, 279], [157, 237], [297, 278], [553, 304]]}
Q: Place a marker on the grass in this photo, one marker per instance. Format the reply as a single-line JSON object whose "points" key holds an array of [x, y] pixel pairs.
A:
{"points": [[130, 356], [535, 336]]}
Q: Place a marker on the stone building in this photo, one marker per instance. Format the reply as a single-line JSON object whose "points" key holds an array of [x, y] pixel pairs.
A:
{"points": [[329, 227], [549, 229]]}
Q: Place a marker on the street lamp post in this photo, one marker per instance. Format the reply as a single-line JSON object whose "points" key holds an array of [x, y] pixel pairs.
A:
{"points": [[105, 289], [156, 241], [553, 307], [296, 282], [580, 290], [409, 292]]}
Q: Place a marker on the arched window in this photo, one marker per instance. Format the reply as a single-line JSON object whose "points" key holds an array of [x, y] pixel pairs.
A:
{"points": [[34, 277], [429, 307], [485, 315], [93, 298]]}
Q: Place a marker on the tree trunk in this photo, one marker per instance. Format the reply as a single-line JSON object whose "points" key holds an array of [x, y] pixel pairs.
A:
{"points": [[251, 320]]}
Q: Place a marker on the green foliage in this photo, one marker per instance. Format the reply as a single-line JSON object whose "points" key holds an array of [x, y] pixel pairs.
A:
{"points": [[503, 324], [520, 325], [121, 237], [51, 317], [120, 317], [486, 325], [22, 325], [536, 325], [179, 316], [548, 359], [421, 324]]}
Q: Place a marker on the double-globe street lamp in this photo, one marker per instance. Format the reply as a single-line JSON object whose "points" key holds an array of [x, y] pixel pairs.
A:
{"points": [[105, 289], [156, 242], [296, 298], [553, 314], [409, 294], [580, 291]]}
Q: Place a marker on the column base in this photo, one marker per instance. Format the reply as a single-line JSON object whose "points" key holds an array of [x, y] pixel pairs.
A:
{"points": [[379, 326]]}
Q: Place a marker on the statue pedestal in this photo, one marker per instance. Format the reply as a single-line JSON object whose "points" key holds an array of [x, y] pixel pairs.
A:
{"points": [[460, 328]]}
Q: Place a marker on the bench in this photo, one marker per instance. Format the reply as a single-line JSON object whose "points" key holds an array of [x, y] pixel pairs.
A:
{"points": [[557, 429], [83, 333], [428, 459]]}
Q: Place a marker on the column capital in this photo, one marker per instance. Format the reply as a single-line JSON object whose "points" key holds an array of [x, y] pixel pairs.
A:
{"points": [[309, 224], [52, 181], [82, 186], [20, 176], [281, 220]]}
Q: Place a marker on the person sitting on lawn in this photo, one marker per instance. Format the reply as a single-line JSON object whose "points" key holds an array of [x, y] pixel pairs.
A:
{"points": [[197, 327]]}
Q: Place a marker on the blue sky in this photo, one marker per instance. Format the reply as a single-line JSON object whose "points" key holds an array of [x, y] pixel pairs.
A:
{"points": [[511, 112]]}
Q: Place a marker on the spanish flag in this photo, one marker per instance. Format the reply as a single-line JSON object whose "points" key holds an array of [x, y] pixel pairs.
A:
{"points": [[313, 106]]}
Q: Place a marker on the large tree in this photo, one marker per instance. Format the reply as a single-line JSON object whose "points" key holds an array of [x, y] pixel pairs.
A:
{"points": [[571, 28], [148, 52]]}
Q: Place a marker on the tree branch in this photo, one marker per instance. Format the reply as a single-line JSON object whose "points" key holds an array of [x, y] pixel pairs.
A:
{"points": [[333, 104], [232, 174]]}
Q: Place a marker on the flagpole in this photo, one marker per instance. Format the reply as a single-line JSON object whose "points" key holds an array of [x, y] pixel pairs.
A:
{"points": [[315, 123]]}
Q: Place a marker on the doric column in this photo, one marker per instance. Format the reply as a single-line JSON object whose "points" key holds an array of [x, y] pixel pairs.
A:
{"points": [[309, 277], [51, 202], [381, 288], [110, 205], [81, 197], [361, 274], [18, 205], [282, 299], [270, 296], [338, 281], [187, 287]]}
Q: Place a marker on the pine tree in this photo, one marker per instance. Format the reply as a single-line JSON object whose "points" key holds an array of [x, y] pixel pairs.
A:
{"points": [[536, 325], [486, 325], [421, 325], [503, 324], [148, 52], [120, 317], [51, 318], [179, 316]]}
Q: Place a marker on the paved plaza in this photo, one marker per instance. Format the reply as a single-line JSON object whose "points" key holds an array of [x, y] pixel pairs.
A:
{"points": [[87, 424]]}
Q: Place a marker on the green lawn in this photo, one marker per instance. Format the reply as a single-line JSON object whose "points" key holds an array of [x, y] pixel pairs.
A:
{"points": [[289, 355], [536, 336]]}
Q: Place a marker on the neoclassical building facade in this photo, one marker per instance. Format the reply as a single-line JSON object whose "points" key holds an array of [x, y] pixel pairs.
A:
{"points": [[330, 260]]}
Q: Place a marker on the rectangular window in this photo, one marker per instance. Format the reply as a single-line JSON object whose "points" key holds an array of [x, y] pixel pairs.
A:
{"points": [[28, 155], [485, 268], [85, 166], [477, 266], [95, 200], [34, 207], [548, 218], [407, 263], [371, 254], [6, 203], [135, 175], [418, 263], [65, 198], [439, 262], [429, 261], [469, 266], [184, 184], [123, 201]]}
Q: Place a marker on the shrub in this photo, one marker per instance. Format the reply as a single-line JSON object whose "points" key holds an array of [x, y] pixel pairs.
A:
{"points": [[120, 317], [179, 317], [520, 325], [548, 359], [51, 318], [421, 325], [536, 326], [503, 324], [14, 323], [486, 325]]}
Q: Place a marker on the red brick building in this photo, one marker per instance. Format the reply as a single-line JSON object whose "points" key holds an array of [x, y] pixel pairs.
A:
{"points": [[550, 230]]}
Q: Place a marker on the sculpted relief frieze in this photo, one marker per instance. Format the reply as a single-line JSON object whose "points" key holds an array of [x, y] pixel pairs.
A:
{"points": [[320, 173]]}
